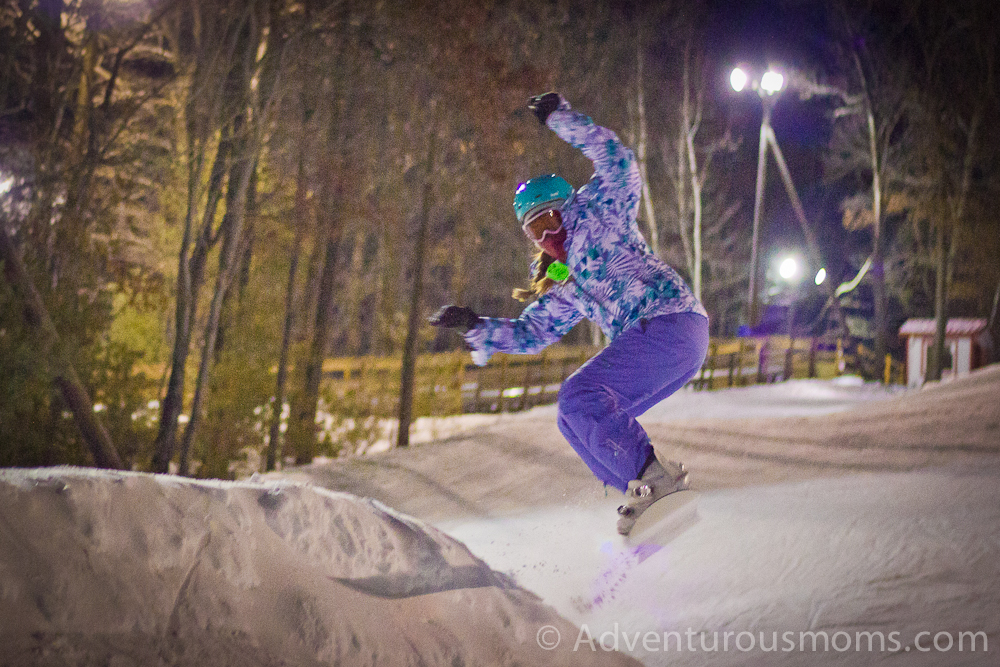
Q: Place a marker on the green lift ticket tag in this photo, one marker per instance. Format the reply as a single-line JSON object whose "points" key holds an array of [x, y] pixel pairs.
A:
{"points": [[557, 271]]}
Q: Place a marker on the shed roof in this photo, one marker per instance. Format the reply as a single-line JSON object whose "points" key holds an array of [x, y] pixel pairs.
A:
{"points": [[957, 326]]}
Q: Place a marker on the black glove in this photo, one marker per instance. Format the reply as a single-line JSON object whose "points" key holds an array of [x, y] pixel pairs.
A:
{"points": [[543, 105], [455, 317]]}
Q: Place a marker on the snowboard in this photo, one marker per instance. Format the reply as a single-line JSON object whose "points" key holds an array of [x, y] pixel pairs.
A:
{"points": [[665, 519]]}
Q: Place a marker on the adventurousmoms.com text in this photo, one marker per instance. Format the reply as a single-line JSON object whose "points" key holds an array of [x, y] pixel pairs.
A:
{"points": [[926, 641]]}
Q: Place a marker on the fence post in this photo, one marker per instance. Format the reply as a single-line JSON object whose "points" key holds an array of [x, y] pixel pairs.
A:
{"points": [[739, 365], [732, 366], [478, 394], [887, 379], [457, 404], [749, 348], [432, 370], [504, 367], [699, 384], [564, 362], [762, 362], [813, 344], [714, 353], [527, 383]]}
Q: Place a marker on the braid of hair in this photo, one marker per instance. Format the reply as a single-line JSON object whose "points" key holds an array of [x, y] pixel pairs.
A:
{"points": [[540, 283]]}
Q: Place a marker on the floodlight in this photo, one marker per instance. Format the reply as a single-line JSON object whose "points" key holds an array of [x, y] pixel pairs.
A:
{"points": [[738, 79], [771, 82], [789, 269]]}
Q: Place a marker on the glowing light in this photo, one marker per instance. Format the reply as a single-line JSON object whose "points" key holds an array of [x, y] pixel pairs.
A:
{"points": [[738, 79], [6, 184], [771, 82], [821, 276], [789, 269]]}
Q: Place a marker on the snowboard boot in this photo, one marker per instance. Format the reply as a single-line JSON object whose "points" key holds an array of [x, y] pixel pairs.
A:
{"points": [[655, 482]]}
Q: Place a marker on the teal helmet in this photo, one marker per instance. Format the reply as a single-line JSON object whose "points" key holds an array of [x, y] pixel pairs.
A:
{"points": [[542, 192]]}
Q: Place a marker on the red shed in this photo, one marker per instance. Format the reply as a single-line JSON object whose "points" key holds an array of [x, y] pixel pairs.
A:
{"points": [[963, 347]]}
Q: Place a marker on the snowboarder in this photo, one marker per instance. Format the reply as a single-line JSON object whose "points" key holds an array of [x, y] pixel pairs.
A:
{"points": [[593, 262]]}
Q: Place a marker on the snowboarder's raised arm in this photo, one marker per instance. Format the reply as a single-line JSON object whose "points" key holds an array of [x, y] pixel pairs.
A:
{"points": [[614, 162], [542, 323]]}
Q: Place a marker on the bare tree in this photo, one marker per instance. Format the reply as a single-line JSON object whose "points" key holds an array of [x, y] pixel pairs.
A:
{"points": [[77, 117], [692, 140], [72, 389], [948, 112], [642, 143], [227, 93], [867, 122], [300, 214]]}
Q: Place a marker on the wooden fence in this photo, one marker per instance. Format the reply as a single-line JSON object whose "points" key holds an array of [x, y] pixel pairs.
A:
{"points": [[742, 362], [449, 383]]}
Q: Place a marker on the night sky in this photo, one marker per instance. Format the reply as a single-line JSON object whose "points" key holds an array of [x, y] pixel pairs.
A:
{"points": [[762, 32], [755, 31]]}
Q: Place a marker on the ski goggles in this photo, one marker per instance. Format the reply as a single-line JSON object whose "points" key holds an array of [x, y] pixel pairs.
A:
{"points": [[545, 223]]}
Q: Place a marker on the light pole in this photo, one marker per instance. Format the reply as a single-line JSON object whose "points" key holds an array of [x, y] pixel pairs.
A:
{"points": [[767, 87]]}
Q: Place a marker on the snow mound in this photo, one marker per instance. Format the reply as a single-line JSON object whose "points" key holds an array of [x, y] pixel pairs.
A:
{"points": [[957, 422], [838, 524], [100, 567], [911, 558], [792, 398]]}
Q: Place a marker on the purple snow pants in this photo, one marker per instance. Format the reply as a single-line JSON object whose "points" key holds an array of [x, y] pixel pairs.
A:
{"points": [[598, 403]]}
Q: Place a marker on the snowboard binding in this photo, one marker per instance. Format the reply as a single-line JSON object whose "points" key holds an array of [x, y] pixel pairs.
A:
{"points": [[656, 482]]}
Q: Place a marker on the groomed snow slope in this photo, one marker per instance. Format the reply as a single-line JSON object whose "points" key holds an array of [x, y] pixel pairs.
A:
{"points": [[860, 515], [108, 568]]}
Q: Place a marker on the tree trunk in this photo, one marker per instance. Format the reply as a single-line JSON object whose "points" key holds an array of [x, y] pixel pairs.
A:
{"points": [[878, 261], [356, 286], [696, 271], [935, 361], [385, 290], [301, 434], [947, 240], [70, 386], [190, 276], [216, 100], [690, 130], [993, 312], [232, 304], [641, 146], [274, 433], [408, 372], [681, 183], [232, 246], [302, 424]]}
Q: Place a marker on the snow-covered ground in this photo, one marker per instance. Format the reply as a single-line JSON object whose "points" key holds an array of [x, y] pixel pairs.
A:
{"points": [[127, 569], [895, 555], [837, 523], [830, 515]]}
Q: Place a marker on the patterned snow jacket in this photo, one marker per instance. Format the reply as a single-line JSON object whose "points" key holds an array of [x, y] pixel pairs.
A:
{"points": [[615, 279]]}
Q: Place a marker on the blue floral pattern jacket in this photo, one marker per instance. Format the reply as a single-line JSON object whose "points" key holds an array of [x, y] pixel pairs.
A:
{"points": [[615, 279]]}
